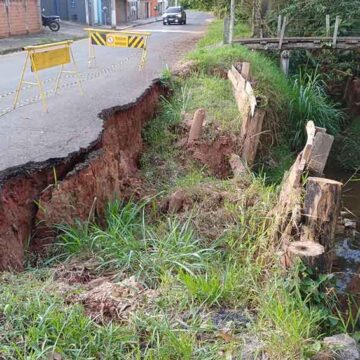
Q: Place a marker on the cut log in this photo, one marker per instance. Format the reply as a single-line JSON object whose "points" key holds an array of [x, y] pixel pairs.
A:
{"points": [[321, 210], [196, 126], [237, 166], [310, 253]]}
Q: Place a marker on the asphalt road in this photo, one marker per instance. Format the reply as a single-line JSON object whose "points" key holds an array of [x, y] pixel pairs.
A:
{"points": [[30, 134]]}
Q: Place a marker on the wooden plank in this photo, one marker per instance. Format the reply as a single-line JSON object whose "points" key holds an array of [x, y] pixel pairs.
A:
{"points": [[245, 70], [320, 153], [282, 34], [252, 139]]}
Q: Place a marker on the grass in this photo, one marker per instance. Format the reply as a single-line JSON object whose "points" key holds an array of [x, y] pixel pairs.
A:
{"points": [[214, 256], [310, 102], [36, 322], [128, 244], [215, 33]]}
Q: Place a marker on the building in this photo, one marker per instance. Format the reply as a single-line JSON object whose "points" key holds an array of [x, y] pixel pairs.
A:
{"points": [[98, 12], [72, 10], [19, 17]]}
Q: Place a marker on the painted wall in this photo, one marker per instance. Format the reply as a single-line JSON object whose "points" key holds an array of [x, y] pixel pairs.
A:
{"points": [[19, 17]]}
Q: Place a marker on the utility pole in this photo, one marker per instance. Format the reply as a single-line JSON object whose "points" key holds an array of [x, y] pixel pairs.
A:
{"points": [[113, 13], [232, 21], [87, 17]]}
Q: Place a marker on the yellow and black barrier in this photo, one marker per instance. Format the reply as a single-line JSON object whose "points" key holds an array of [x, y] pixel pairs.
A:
{"points": [[43, 57], [118, 38]]}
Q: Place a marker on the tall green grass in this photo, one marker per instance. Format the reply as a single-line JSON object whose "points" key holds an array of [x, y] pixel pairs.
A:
{"points": [[310, 102], [128, 243]]}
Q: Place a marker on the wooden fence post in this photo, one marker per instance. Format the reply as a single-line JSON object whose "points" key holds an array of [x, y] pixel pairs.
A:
{"points": [[279, 26], [327, 25], [337, 23], [282, 33]]}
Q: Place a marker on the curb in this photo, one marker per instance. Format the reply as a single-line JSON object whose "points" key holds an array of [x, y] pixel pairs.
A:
{"points": [[76, 38]]}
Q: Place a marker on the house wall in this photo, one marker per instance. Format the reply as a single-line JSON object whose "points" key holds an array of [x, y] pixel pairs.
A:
{"points": [[19, 17], [55, 7], [121, 11]]}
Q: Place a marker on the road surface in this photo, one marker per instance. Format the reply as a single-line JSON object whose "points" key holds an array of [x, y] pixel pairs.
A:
{"points": [[29, 134]]}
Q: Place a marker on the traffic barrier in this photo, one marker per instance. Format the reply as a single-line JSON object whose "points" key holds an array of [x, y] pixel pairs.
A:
{"points": [[117, 38], [43, 57]]}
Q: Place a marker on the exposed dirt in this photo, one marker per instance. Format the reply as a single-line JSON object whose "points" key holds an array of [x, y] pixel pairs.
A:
{"points": [[213, 148], [215, 154], [33, 198], [105, 301]]}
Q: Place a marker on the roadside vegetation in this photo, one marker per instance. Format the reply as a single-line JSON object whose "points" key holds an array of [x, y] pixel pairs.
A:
{"points": [[206, 283]]}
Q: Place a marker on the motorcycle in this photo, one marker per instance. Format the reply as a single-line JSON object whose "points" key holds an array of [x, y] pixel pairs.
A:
{"points": [[53, 22]]}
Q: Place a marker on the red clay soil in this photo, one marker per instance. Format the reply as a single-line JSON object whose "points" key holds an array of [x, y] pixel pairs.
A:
{"points": [[215, 154], [31, 201]]}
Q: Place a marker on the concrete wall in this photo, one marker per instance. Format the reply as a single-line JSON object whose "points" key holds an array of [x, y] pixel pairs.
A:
{"points": [[19, 17]]}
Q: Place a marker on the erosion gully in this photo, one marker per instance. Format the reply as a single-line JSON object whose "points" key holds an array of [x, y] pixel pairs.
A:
{"points": [[36, 196]]}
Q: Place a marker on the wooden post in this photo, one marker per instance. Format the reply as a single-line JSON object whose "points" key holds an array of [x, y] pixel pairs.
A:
{"points": [[237, 165], [232, 21], [282, 34], [337, 23], [285, 61], [226, 30], [321, 209], [327, 25], [196, 126], [279, 26]]}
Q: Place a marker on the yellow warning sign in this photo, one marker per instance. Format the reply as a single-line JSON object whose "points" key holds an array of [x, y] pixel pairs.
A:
{"points": [[117, 40], [44, 57], [47, 59]]}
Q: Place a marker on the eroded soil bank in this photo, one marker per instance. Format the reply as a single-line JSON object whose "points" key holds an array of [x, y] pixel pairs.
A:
{"points": [[36, 196]]}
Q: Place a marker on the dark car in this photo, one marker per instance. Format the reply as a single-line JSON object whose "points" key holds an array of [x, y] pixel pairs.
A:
{"points": [[174, 15]]}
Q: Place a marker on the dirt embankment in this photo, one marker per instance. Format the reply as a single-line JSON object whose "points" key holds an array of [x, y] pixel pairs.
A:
{"points": [[36, 196]]}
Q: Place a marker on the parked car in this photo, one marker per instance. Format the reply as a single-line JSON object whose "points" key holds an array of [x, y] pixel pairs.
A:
{"points": [[175, 15]]}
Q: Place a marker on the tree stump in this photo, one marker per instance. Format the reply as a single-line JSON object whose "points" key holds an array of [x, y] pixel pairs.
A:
{"points": [[310, 253], [196, 126], [321, 210]]}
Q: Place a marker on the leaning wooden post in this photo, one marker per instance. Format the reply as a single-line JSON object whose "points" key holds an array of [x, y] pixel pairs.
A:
{"points": [[321, 210], [279, 26], [282, 34], [337, 23]]}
